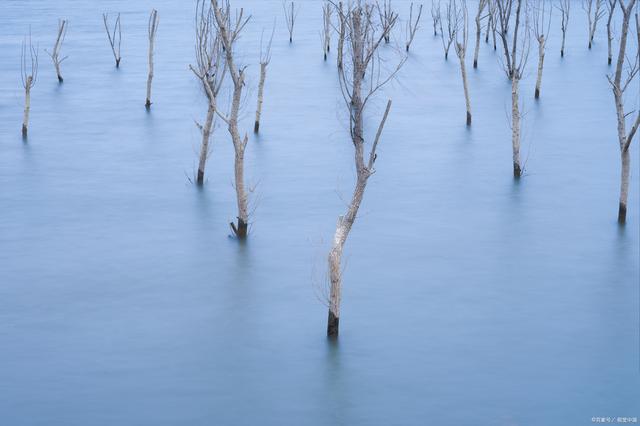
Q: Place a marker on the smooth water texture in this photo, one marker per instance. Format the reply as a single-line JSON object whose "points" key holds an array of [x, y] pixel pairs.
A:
{"points": [[468, 299]]}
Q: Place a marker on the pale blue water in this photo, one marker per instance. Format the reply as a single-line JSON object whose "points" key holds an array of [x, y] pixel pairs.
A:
{"points": [[468, 299]]}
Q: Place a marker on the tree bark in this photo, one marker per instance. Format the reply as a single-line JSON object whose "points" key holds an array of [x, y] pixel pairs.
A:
{"points": [[204, 149], [27, 105], [478, 36], [467, 98], [541, 46], [515, 126], [624, 186], [150, 76], [564, 33], [263, 75]]}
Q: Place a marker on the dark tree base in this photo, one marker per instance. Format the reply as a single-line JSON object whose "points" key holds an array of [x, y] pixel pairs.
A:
{"points": [[117, 63], [60, 79], [200, 178], [240, 230], [622, 214], [24, 131], [537, 93], [325, 56], [147, 104], [609, 61], [562, 53], [468, 118], [256, 127], [407, 48], [517, 171], [333, 324], [475, 63]]}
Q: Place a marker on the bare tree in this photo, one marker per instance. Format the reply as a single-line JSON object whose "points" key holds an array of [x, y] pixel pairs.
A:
{"points": [[611, 8], [594, 13], [341, 30], [210, 69], [386, 15], [412, 26], [152, 29], [454, 20], [364, 37], [327, 11], [541, 28], [28, 74], [461, 51], [564, 7], [619, 85], [265, 58], [482, 4], [228, 31], [115, 37], [493, 21], [516, 52], [290, 15], [55, 53], [435, 16]]}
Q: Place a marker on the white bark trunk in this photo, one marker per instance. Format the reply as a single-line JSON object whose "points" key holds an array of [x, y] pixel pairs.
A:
{"points": [[150, 76], [541, 46], [204, 149], [467, 98], [263, 75], [624, 185], [27, 105], [478, 36], [515, 126]]}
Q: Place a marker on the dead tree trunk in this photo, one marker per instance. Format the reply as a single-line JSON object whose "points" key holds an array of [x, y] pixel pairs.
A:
{"points": [[435, 16], [541, 28], [210, 69], [453, 23], [565, 8], [115, 39], [55, 53], [461, 51], [619, 85], [290, 15], [153, 28], [327, 10], [611, 7], [412, 26], [479, 17], [386, 15], [228, 32], [265, 58], [594, 14], [515, 59], [28, 74], [341, 34], [365, 38]]}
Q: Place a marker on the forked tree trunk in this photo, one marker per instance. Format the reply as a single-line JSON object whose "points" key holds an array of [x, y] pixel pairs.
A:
{"points": [[541, 46], [263, 75], [27, 105], [624, 186], [204, 149], [515, 126], [335, 255]]}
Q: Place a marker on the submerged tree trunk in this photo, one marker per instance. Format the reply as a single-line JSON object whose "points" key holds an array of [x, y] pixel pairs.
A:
{"points": [[27, 105], [463, 70], [263, 75], [335, 255], [624, 186], [541, 45], [564, 33], [204, 149], [241, 194], [515, 126], [153, 27]]}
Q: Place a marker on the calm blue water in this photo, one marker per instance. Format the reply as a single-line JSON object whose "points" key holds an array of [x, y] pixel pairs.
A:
{"points": [[468, 299]]}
